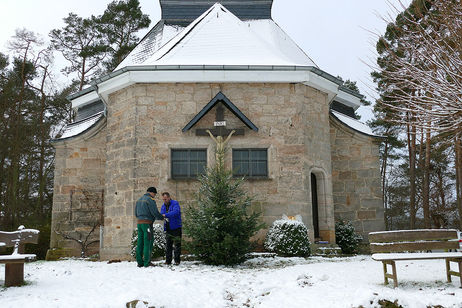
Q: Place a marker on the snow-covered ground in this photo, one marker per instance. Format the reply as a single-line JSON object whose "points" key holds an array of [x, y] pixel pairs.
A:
{"points": [[259, 282]]}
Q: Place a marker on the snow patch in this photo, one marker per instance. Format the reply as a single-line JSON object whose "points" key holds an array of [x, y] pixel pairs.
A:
{"points": [[260, 282], [353, 123], [76, 128]]}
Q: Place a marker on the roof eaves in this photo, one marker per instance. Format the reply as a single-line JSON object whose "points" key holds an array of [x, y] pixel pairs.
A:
{"points": [[325, 75], [349, 91], [81, 93], [97, 123], [356, 130]]}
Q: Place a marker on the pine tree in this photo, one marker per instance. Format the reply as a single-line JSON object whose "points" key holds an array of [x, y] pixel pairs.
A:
{"points": [[82, 44], [120, 22], [219, 226]]}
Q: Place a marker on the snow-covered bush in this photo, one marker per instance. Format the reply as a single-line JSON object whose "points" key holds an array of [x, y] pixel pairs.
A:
{"points": [[158, 249], [288, 238], [346, 237]]}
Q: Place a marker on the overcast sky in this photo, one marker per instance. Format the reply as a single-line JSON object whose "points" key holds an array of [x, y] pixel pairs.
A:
{"points": [[336, 34]]}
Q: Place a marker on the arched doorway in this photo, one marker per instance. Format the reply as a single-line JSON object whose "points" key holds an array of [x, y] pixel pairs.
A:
{"points": [[322, 208], [315, 206]]}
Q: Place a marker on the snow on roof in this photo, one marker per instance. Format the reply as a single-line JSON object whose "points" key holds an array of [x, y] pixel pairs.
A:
{"points": [[159, 35], [76, 128], [353, 123], [218, 37], [271, 33]]}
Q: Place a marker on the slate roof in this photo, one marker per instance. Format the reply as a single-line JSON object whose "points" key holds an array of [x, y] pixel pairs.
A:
{"points": [[184, 12], [218, 37], [79, 127]]}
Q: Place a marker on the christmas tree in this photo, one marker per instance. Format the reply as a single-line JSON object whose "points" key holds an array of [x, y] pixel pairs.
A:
{"points": [[220, 226]]}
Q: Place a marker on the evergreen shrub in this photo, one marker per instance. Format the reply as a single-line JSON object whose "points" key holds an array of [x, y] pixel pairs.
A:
{"points": [[288, 238], [220, 225], [158, 249], [346, 237]]}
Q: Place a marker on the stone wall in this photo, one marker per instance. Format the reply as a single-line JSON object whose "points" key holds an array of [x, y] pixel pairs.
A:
{"points": [[145, 121], [78, 190], [356, 178]]}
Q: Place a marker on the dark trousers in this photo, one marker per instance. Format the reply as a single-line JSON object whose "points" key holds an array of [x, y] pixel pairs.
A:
{"points": [[173, 243]]}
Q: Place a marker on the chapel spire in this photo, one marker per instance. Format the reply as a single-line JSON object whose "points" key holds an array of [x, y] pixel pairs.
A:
{"points": [[183, 12]]}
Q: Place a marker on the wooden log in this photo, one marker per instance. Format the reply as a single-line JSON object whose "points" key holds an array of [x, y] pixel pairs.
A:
{"points": [[412, 235], [412, 246], [14, 274]]}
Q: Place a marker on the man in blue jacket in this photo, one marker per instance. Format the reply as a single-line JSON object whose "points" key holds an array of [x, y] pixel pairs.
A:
{"points": [[172, 213], [146, 212]]}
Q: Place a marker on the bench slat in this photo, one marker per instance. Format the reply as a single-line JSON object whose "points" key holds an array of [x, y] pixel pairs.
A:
{"points": [[18, 258], [26, 236], [412, 235], [416, 256], [413, 246]]}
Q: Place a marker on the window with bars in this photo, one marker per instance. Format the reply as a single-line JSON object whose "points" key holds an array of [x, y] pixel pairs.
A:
{"points": [[188, 163], [250, 162]]}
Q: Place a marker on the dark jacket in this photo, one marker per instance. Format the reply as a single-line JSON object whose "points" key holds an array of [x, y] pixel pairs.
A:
{"points": [[173, 215], [146, 208]]}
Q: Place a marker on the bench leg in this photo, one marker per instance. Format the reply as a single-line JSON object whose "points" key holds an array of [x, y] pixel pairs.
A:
{"points": [[460, 272], [14, 274], [395, 277], [448, 270], [385, 272]]}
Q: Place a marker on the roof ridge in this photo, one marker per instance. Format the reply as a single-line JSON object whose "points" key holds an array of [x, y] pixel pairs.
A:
{"points": [[183, 34], [254, 41]]}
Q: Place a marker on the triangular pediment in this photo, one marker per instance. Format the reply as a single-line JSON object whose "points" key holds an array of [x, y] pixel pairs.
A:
{"points": [[221, 98]]}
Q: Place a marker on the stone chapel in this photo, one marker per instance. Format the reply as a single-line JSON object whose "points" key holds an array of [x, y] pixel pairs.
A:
{"points": [[220, 67]]}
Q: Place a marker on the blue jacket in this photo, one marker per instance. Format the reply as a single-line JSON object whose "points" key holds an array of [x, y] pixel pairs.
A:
{"points": [[173, 215], [146, 208]]}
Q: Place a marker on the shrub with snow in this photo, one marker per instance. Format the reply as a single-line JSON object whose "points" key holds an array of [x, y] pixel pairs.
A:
{"points": [[346, 237], [158, 249], [288, 238]]}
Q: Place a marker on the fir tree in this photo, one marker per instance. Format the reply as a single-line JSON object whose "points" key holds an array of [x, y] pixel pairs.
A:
{"points": [[219, 226]]}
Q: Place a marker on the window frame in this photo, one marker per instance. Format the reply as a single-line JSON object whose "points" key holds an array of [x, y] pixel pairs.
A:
{"points": [[189, 176], [250, 175]]}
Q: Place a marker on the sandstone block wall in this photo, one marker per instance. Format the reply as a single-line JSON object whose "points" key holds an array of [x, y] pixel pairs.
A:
{"points": [[145, 121], [356, 180], [78, 190]]}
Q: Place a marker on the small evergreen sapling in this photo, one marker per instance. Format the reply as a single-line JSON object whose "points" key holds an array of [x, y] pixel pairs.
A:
{"points": [[158, 249], [219, 226], [346, 237], [288, 238]]}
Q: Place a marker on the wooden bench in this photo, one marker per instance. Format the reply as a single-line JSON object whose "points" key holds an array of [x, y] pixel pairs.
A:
{"points": [[14, 263], [401, 245]]}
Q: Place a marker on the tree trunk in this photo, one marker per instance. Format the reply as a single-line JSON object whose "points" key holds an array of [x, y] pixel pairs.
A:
{"points": [[13, 180], [426, 182], [411, 136], [458, 163], [383, 172], [43, 138]]}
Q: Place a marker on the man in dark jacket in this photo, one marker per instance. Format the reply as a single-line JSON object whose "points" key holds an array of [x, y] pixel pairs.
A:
{"points": [[146, 212], [172, 213]]}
